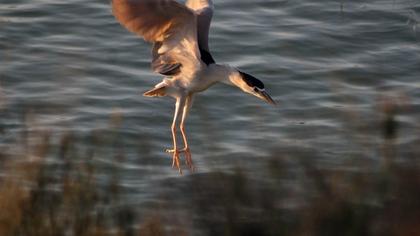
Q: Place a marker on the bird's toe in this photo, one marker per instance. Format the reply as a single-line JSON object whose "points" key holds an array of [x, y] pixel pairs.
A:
{"points": [[188, 159], [169, 150]]}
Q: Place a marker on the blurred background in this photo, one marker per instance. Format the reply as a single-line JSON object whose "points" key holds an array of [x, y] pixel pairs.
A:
{"points": [[82, 152]]}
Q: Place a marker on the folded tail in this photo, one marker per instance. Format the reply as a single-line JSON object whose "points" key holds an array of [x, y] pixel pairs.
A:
{"points": [[156, 92]]}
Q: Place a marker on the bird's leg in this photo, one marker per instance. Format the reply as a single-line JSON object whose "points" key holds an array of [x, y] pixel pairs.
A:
{"points": [[187, 107], [175, 156]]}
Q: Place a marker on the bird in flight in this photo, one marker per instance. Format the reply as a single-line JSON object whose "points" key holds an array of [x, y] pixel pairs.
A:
{"points": [[180, 52]]}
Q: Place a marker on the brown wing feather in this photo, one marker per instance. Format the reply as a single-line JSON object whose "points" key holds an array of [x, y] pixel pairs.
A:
{"points": [[166, 23], [154, 20]]}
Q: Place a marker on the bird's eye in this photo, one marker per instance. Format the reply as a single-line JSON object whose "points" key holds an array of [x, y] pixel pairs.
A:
{"points": [[256, 89]]}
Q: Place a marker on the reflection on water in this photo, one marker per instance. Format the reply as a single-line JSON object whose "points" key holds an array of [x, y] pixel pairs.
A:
{"points": [[82, 152]]}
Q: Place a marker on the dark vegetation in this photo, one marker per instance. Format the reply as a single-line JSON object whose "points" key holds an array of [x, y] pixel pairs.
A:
{"points": [[43, 199]]}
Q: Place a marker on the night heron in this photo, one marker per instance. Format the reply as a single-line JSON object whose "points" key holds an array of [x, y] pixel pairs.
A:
{"points": [[180, 52]]}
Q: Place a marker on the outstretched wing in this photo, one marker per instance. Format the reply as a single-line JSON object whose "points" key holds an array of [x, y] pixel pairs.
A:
{"points": [[172, 28], [204, 11]]}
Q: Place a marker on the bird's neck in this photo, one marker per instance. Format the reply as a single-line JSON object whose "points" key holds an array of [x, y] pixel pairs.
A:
{"points": [[223, 74]]}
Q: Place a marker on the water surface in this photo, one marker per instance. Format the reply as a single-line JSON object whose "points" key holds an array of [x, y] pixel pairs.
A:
{"points": [[328, 64]]}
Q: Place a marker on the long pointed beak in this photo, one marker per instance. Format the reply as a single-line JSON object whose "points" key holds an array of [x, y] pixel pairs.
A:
{"points": [[264, 96]]}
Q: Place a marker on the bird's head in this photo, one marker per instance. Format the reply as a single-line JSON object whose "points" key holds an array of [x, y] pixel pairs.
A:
{"points": [[251, 85]]}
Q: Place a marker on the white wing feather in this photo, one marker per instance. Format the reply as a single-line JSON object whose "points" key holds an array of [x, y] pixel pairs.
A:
{"points": [[204, 11]]}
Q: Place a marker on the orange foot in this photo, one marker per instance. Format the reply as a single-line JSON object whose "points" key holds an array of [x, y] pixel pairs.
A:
{"points": [[175, 158], [188, 159]]}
